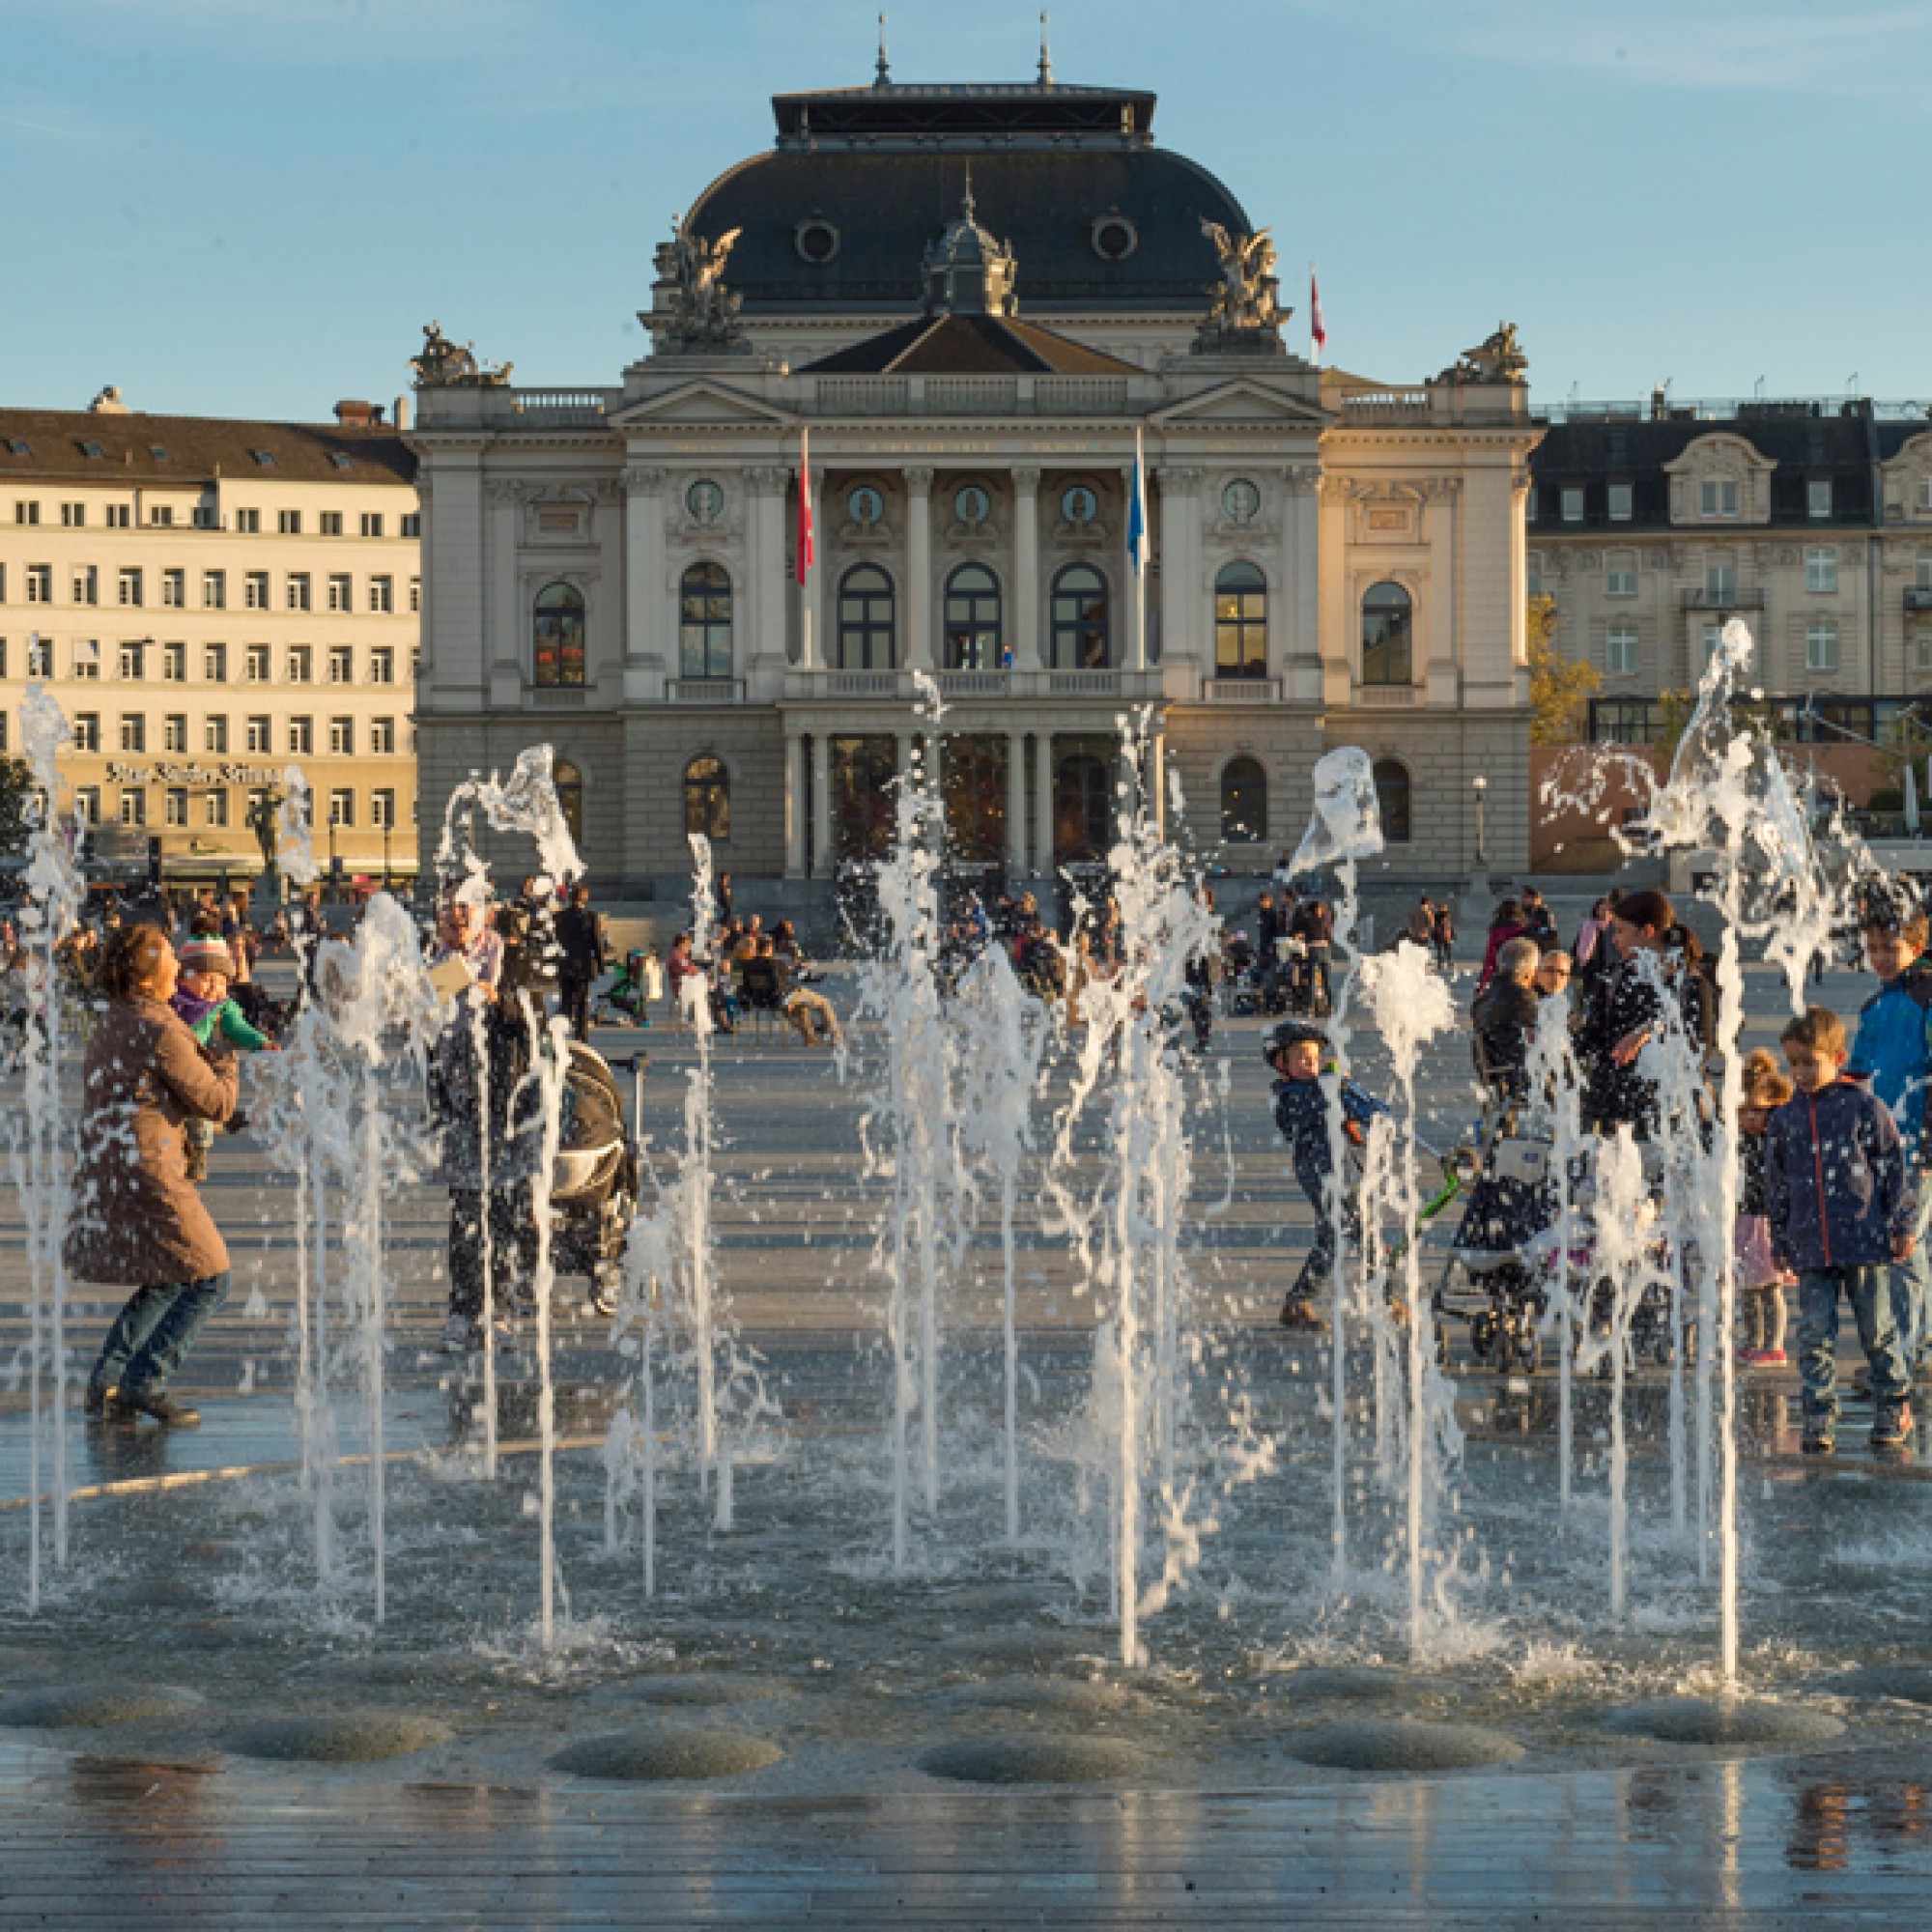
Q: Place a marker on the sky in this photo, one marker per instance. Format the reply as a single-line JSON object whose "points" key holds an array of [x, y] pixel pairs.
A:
{"points": [[251, 207]]}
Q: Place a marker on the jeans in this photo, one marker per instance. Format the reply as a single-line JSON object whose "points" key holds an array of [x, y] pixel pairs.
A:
{"points": [[511, 1210], [1911, 1284], [1869, 1290], [154, 1332], [574, 997]]}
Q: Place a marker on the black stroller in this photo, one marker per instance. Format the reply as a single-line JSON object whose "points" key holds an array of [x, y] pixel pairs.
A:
{"points": [[594, 1178]]}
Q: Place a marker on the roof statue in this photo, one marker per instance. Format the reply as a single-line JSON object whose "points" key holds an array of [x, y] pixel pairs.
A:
{"points": [[1496, 359], [1245, 312], [967, 270], [695, 309], [444, 364]]}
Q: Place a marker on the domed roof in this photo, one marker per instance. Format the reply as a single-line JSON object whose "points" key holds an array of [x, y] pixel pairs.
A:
{"points": [[841, 214]]}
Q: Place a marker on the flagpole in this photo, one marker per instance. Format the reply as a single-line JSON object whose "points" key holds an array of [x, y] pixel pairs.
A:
{"points": [[1140, 553], [806, 661]]}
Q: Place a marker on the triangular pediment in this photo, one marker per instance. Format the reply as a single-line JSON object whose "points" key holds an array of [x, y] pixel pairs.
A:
{"points": [[1240, 402], [700, 403]]}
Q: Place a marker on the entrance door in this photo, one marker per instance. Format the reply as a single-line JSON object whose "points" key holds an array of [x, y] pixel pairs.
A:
{"points": [[973, 779], [863, 770], [1083, 798]]}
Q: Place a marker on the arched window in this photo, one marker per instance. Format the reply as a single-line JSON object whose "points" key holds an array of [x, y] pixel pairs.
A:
{"points": [[569, 782], [1388, 630], [707, 797], [1079, 619], [1244, 802], [1392, 796], [556, 635], [705, 622], [972, 618], [1241, 622], [865, 619]]}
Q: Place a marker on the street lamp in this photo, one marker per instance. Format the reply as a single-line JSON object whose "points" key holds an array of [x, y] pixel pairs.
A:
{"points": [[387, 829], [1482, 791]]}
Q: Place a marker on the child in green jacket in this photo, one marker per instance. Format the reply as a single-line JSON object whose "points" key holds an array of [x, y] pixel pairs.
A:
{"points": [[202, 1000]]}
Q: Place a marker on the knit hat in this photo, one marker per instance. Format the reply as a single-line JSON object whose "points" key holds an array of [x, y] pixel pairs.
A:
{"points": [[206, 955]]}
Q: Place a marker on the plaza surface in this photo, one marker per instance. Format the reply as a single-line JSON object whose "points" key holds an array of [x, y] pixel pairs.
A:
{"points": [[190, 1573]]}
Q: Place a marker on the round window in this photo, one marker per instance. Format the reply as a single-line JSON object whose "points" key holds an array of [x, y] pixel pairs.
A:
{"points": [[1241, 500], [865, 505], [706, 501], [972, 506], [1114, 237], [815, 240], [1079, 505]]}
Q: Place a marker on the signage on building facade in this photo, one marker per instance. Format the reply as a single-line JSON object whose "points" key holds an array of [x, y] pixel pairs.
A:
{"points": [[192, 775]]}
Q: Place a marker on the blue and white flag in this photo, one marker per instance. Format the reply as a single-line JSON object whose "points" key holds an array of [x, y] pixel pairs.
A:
{"points": [[1137, 543]]}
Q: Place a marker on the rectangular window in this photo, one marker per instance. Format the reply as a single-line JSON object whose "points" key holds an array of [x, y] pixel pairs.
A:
{"points": [[161, 516], [1821, 570], [412, 523], [39, 583], [40, 657], [175, 812], [215, 590], [217, 813], [120, 515], [298, 593], [255, 590], [383, 593], [372, 523], [302, 736], [1921, 650], [248, 522], [342, 806], [341, 664], [1620, 581], [302, 665], [341, 594], [1926, 492], [26, 513], [342, 737], [173, 663], [134, 661], [174, 732], [1713, 636], [1721, 583], [1573, 506], [74, 515], [87, 804], [1623, 650], [3, 584], [215, 663], [1921, 571], [382, 664], [86, 583], [415, 593], [1820, 644], [1621, 502], [1717, 498], [288, 523], [207, 517], [133, 731], [255, 667], [87, 659], [130, 588], [214, 736], [382, 808], [87, 730], [332, 523], [1818, 497], [383, 736], [174, 589], [261, 734], [134, 806]]}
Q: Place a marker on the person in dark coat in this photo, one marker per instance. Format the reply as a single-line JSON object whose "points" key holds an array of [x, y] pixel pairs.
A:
{"points": [[1505, 1018], [138, 1222], [582, 956], [1628, 1006]]}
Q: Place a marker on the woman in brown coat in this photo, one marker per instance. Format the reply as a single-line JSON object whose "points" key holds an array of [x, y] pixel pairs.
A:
{"points": [[137, 1220]]}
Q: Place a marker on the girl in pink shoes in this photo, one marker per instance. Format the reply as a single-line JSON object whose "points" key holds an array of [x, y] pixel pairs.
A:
{"points": [[1761, 1282]]}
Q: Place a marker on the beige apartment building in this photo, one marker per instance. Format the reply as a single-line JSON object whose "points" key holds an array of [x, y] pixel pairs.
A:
{"points": [[212, 602]]}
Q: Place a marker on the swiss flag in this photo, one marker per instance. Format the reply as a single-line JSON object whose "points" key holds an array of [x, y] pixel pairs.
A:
{"points": [[805, 552]]}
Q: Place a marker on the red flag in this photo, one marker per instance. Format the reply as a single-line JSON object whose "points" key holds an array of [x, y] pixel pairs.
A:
{"points": [[1317, 333], [806, 549]]}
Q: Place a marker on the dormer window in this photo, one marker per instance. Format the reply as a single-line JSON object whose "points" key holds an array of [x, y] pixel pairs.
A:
{"points": [[94, 450], [1717, 497], [266, 458], [19, 446], [158, 451], [341, 461], [1573, 506]]}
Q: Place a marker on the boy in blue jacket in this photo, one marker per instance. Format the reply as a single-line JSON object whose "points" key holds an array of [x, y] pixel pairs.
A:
{"points": [[1893, 1053], [1841, 1208], [1293, 1049]]}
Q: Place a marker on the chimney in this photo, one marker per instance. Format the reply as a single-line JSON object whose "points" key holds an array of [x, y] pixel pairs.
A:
{"points": [[109, 402], [356, 415], [400, 414]]}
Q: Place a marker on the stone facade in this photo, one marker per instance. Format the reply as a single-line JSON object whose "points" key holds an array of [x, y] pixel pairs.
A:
{"points": [[615, 569]]}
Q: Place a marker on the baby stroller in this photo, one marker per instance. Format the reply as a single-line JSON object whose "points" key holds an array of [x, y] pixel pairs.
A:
{"points": [[626, 1001], [1492, 1279], [594, 1179]]}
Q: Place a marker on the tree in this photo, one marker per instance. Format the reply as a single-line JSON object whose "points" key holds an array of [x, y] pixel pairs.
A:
{"points": [[16, 790], [1559, 690]]}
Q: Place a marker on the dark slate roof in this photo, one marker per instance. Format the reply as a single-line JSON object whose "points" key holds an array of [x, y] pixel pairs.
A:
{"points": [[889, 201], [1805, 442], [969, 345], [196, 449], [961, 112]]}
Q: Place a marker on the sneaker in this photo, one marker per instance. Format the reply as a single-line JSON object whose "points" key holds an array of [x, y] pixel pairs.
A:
{"points": [[1765, 1358], [164, 1409], [1891, 1426], [1300, 1318], [1820, 1438], [101, 1402]]}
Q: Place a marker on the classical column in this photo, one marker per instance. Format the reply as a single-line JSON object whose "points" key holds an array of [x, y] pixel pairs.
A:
{"points": [[644, 589], [821, 803], [1182, 609], [765, 550], [794, 806], [1295, 641], [1156, 772], [919, 570], [1025, 570], [1042, 798], [1016, 805]]}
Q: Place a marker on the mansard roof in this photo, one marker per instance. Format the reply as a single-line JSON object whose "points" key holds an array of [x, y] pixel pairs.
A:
{"points": [[193, 450], [969, 345]]}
